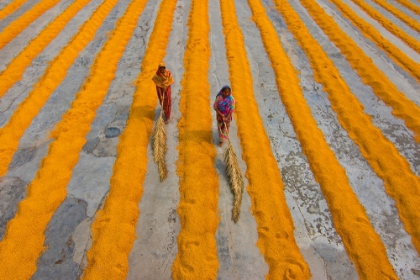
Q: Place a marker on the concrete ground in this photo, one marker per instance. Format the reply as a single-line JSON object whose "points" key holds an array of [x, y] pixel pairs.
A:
{"points": [[68, 235]]}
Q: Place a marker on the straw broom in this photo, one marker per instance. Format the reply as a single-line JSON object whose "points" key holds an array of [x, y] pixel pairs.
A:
{"points": [[159, 144], [236, 181]]}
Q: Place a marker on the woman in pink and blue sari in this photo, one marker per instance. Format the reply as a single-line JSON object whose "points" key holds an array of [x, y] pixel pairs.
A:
{"points": [[224, 106]]}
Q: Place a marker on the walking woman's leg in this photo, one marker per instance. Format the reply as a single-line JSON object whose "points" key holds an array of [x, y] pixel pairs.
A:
{"points": [[220, 131], [223, 131], [159, 92], [168, 104]]}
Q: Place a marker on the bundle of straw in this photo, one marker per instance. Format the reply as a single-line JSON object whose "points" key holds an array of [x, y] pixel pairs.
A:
{"points": [[159, 146], [236, 181]]}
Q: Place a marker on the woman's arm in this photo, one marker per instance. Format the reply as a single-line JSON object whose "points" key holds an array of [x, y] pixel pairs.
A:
{"points": [[215, 107], [219, 113], [232, 109], [230, 114]]}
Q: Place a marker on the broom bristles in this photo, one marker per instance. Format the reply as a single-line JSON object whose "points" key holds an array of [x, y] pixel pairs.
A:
{"points": [[159, 147], [235, 180]]}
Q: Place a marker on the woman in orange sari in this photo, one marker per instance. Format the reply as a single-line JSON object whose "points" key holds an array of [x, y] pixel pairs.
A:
{"points": [[163, 80]]}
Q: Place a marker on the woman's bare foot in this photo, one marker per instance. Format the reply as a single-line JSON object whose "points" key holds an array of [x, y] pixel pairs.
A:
{"points": [[220, 143]]}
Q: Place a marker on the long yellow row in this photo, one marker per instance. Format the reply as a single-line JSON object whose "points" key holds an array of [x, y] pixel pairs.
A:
{"points": [[42, 90], [400, 182], [363, 245], [409, 5], [17, 26], [17, 66], [402, 107], [114, 227], [11, 8], [403, 17], [199, 186], [393, 28], [24, 238], [266, 189], [370, 32]]}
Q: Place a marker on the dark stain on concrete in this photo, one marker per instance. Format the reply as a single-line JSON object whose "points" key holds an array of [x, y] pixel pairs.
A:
{"points": [[57, 261], [112, 132], [415, 271], [91, 145], [22, 156], [12, 191]]}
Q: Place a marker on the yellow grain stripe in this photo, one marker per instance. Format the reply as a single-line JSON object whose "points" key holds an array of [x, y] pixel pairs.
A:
{"points": [[12, 30], [403, 17], [400, 182], [370, 32], [362, 243], [11, 8], [42, 90], [402, 107], [275, 224], [410, 6], [17, 66], [114, 229], [389, 25], [24, 238], [199, 187]]}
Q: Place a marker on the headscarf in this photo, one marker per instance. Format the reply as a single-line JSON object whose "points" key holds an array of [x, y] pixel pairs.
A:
{"points": [[163, 80], [223, 89]]}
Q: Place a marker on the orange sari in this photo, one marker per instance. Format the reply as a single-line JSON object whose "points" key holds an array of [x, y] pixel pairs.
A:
{"points": [[163, 83]]}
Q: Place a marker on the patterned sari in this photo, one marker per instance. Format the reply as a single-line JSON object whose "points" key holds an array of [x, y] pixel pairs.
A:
{"points": [[226, 106]]}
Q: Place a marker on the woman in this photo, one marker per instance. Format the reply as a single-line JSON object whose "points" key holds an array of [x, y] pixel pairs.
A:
{"points": [[163, 80], [224, 106]]}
